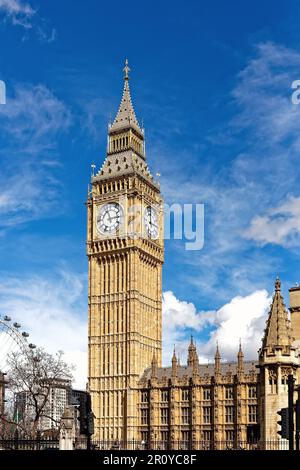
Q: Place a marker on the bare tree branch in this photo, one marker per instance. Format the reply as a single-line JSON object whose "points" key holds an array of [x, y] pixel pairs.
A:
{"points": [[35, 374]]}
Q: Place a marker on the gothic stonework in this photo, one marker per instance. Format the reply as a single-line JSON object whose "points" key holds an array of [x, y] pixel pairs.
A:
{"points": [[125, 253], [133, 396]]}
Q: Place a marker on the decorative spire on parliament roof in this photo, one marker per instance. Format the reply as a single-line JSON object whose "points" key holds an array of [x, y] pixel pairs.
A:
{"points": [[192, 354], [278, 330]]}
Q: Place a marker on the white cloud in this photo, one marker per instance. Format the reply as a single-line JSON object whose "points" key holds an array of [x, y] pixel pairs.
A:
{"points": [[21, 13], [242, 318], [279, 226], [31, 123], [51, 310]]}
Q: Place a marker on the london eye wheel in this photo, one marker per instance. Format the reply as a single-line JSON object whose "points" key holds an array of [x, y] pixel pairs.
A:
{"points": [[12, 339]]}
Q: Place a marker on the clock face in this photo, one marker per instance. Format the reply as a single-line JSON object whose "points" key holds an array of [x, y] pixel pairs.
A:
{"points": [[109, 218], [151, 222]]}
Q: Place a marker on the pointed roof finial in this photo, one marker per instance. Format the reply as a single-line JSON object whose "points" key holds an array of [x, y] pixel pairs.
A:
{"points": [[154, 366], [174, 358], [174, 362], [278, 332], [217, 360], [240, 354], [277, 284], [192, 353], [126, 117], [126, 70]]}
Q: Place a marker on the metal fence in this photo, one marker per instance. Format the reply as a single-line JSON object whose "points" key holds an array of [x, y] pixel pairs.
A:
{"points": [[184, 445], [81, 444], [29, 444]]}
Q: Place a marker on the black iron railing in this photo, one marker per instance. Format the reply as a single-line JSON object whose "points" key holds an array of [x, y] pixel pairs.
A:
{"points": [[29, 444], [183, 445]]}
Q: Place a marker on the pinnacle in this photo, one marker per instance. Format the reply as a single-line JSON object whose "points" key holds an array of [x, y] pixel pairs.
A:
{"points": [[126, 117], [278, 332]]}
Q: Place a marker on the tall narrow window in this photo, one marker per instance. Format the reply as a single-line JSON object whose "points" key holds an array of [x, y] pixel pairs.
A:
{"points": [[252, 414], [164, 415], [144, 416], [207, 414], [185, 415], [228, 393], [229, 414]]}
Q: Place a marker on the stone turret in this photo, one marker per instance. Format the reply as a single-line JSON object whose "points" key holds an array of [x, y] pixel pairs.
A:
{"points": [[174, 365], [192, 359], [217, 361], [278, 358], [154, 367], [240, 358]]}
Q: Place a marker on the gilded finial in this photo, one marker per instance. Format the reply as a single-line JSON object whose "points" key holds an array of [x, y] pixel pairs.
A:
{"points": [[126, 70]]}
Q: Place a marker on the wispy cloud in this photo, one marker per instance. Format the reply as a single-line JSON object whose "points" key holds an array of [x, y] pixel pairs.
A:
{"points": [[23, 14], [261, 171], [263, 93], [17, 12], [31, 123], [280, 226]]}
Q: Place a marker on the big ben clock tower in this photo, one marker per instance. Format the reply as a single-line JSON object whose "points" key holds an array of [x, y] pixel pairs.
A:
{"points": [[125, 256]]}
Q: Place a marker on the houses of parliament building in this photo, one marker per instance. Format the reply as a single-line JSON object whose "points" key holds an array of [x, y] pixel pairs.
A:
{"points": [[133, 396]]}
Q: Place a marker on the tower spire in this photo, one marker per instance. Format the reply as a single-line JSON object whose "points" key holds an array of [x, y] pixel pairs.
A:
{"points": [[154, 367], [278, 330], [126, 118], [240, 356], [217, 360], [192, 354], [174, 364]]}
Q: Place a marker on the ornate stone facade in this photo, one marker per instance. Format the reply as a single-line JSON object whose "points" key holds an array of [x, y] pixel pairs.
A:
{"points": [[125, 275], [133, 397], [195, 405], [222, 404]]}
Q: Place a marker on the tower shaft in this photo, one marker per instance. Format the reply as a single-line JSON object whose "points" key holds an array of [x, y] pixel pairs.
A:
{"points": [[125, 276]]}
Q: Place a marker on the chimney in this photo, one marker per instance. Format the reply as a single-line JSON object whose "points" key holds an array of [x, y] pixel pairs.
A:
{"points": [[295, 311]]}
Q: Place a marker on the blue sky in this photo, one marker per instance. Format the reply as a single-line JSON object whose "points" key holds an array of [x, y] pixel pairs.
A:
{"points": [[212, 83]]}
